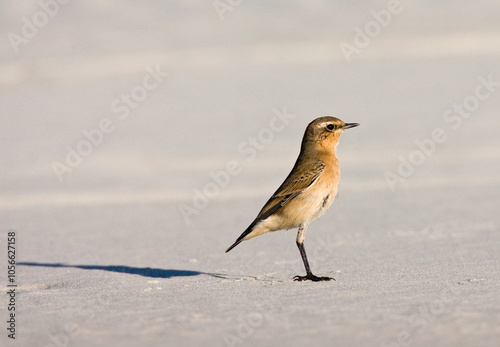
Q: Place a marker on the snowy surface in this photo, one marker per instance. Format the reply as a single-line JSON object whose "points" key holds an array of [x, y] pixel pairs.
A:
{"points": [[105, 256]]}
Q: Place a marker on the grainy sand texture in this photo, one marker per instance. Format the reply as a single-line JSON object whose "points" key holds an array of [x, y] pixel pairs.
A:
{"points": [[139, 139]]}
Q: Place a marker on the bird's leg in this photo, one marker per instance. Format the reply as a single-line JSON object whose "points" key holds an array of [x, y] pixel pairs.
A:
{"points": [[300, 244]]}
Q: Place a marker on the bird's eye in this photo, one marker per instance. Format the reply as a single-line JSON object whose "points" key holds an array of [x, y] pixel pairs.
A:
{"points": [[330, 127]]}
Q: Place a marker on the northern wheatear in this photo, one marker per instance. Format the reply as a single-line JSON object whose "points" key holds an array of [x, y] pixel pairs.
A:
{"points": [[308, 191]]}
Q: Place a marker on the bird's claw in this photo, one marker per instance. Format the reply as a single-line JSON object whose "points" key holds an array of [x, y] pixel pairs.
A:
{"points": [[311, 277]]}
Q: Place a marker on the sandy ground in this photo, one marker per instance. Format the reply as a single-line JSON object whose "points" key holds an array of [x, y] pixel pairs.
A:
{"points": [[122, 244]]}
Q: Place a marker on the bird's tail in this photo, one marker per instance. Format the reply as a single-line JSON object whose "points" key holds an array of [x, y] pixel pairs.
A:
{"points": [[242, 236], [262, 216]]}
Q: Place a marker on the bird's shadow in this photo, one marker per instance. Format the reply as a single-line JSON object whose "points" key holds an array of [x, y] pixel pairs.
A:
{"points": [[141, 271]]}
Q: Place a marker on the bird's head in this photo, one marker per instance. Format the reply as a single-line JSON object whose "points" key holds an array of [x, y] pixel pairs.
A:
{"points": [[323, 133]]}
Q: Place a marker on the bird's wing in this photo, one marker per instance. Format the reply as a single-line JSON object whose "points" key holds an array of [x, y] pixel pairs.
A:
{"points": [[296, 182]]}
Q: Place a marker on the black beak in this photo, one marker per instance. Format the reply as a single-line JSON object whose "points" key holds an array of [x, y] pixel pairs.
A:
{"points": [[350, 125]]}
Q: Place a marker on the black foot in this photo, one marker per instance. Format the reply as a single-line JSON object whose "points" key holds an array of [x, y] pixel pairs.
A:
{"points": [[311, 277]]}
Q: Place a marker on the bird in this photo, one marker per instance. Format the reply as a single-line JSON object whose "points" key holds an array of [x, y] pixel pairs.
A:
{"points": [[307, 192]]}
